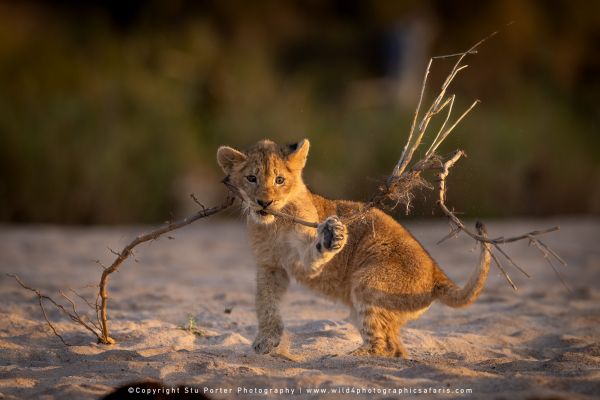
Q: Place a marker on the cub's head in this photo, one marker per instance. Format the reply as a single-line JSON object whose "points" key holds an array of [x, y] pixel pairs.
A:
{"points": [[267, 175]]}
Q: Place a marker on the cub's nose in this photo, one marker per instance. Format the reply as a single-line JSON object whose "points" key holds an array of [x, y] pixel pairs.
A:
{"points": [[264, 204]]}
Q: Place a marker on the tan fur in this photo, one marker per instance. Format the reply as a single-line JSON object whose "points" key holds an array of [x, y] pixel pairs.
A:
{"points": [[375, 266]]}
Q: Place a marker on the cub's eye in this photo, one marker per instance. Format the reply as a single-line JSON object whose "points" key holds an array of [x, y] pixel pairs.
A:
{"points": [[279, 180], [251, 178]]}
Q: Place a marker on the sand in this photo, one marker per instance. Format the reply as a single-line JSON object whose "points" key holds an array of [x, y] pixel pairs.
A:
{"points": [[539, 342]]}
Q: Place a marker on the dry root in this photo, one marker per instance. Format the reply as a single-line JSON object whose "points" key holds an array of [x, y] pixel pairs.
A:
{"points": [[400, 190]]}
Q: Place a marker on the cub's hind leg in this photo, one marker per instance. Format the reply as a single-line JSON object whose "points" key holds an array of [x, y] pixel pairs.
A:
{"points": [[385, 296], [394, 344], [379, 330]]}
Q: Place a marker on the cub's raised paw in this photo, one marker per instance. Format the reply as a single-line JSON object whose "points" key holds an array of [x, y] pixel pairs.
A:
{"points": [[332, 235], [265, 344]]}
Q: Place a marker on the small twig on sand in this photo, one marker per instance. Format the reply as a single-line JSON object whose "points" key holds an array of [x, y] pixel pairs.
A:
{"points": [[60, 307]]}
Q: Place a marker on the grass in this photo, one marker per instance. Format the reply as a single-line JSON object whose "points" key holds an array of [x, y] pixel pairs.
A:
{"points": [[192, 327]]}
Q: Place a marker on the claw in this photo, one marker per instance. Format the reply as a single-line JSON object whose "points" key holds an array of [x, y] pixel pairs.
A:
{"points": [[332, 233]]}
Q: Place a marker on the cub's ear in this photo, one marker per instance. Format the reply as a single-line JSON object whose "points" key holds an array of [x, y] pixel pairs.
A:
{"points": [[228, 157], [299, 153]]}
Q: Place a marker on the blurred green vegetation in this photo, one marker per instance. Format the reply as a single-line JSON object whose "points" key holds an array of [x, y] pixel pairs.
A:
{"points": [[106, 108]]}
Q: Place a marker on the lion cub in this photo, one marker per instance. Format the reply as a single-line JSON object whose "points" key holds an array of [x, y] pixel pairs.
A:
{"points": [[386, 278]]}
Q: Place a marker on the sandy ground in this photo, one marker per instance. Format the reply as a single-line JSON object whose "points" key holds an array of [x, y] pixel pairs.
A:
{"points": [[539, 342]]}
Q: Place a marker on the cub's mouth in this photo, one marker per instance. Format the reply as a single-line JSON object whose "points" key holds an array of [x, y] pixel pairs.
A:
{"points": [[263, 217]]}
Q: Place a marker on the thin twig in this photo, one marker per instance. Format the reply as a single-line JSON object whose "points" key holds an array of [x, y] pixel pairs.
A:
{"points": [[434, 143], [499, 265], [195, 199], [397, 169], [76, 317], [90, 305], [452, 55], [452, 234], [447, 131], [97, 308], [510, 260], [293, 218], [543, 249], [98, 262], [552, 252], [525, 235], [41, 297]]}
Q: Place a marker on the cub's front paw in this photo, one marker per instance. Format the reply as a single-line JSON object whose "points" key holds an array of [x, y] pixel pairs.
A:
{"points": [[332, 235], [264, 344]]}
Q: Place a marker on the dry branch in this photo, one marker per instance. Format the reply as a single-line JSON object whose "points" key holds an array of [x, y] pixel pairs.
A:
{"points": [[126, 252], [100, 328]]}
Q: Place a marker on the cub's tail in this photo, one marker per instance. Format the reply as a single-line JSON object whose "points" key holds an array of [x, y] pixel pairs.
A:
{"points": [[450, 294]]}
